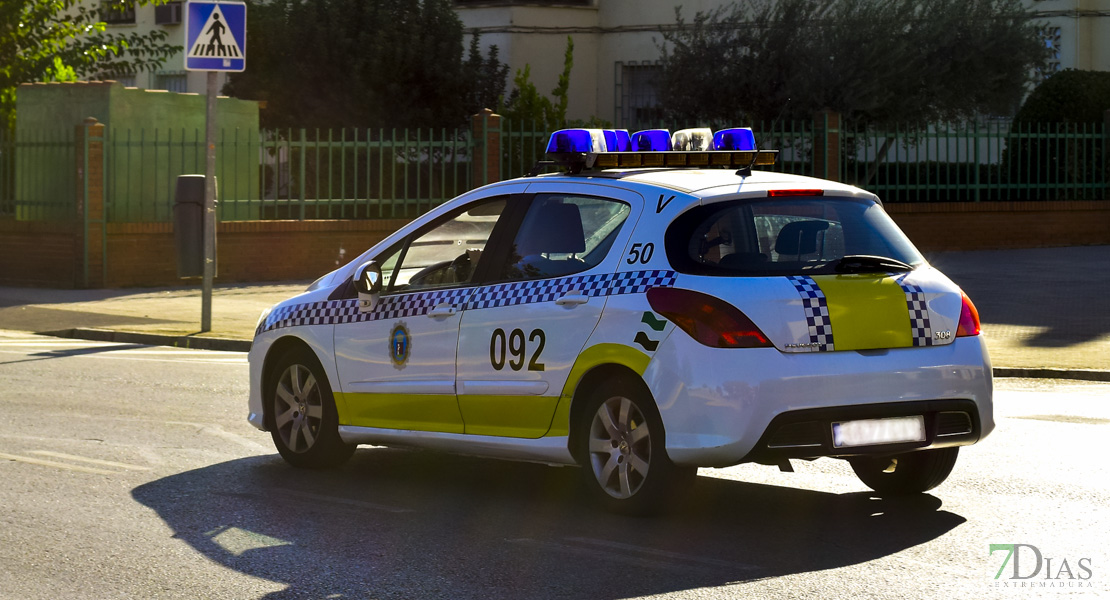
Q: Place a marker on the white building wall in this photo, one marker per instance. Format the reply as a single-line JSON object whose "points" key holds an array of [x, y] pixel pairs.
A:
{"points": [[625, 32]]}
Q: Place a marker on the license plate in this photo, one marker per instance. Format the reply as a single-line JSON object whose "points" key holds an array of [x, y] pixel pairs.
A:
{"points": [[869, 432]]}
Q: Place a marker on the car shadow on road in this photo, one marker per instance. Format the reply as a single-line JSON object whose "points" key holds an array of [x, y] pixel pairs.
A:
{"points": [[394, 523]]}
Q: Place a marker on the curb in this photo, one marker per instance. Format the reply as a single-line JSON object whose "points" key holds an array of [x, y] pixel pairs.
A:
{"points": [[152, 339], [232, 345], [1045, 373]]}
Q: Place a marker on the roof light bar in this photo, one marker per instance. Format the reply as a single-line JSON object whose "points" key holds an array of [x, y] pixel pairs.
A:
{"points": [[580, 149]]}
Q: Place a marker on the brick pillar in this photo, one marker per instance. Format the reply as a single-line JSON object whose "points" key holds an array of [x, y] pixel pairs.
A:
{"points": [[485, 130], [1106, 157], [89, 240], [826, 145]]}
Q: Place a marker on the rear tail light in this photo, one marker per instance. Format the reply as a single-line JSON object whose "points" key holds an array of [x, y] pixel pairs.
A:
{"points": [[711, 321], [969, 319]]}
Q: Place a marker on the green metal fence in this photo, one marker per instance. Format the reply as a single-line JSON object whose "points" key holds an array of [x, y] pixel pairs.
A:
{"points": [[38, 175], [360, 174], [979, 162], [291, 173]]}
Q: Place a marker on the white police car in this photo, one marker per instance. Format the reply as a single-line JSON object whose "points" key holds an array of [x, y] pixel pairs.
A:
{"points": [[645, 313]]}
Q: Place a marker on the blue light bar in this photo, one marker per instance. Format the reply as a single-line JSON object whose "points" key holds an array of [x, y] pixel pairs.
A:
{"points": [[577, 140], [651, 140], [617, 140], [738, 138]]}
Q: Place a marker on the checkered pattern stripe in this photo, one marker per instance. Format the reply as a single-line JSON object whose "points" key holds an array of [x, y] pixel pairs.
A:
{"points": [[338, 312], [920, 327], [816, 310]]}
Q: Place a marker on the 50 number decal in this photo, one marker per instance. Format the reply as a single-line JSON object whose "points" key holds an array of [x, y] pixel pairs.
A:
{"points": [[640, 253], [502, 345]]}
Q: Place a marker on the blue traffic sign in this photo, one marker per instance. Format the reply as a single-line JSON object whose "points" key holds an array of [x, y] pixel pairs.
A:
{"points": [[215, 36]]}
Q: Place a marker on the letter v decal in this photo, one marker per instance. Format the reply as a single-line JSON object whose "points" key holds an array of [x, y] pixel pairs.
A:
{"points": [[661, 203]]}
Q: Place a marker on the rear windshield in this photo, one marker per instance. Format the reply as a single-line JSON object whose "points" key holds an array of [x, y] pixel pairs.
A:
{"points": [[783, 236]]}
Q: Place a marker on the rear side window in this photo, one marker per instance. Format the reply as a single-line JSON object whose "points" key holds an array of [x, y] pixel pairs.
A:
{"points": [[564, 234], [783, 236]]}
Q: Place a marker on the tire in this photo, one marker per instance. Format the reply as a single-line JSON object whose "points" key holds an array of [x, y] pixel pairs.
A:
{"points": [[621, 445], [305, 423], [912, 473]]}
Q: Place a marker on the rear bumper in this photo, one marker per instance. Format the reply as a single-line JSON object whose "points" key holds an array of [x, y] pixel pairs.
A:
{"points": [[726, 406], [808, 433]]}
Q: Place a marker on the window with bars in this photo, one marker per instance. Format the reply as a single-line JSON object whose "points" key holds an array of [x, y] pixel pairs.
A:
{"points": [[115, 13], [1051, 36], [171, 81], [637, 96], [525, 2]]}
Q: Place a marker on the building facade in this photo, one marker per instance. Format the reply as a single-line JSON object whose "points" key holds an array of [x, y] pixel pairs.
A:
{"points": [[172, 76], [616, 45]]}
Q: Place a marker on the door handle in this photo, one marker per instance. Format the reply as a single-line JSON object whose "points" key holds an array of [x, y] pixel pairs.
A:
{"points": [[444, 309], [572, 298]]}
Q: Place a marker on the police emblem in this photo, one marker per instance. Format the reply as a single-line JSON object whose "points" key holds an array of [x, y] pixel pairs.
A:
{"points": [[400, 344]]}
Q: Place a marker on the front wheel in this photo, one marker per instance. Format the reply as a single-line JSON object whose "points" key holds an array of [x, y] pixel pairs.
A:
{"points": [[909, 473], [305, 423], [625, 463]]}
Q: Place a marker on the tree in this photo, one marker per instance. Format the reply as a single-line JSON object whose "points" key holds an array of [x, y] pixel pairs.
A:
{"points": [[1046, 146], [364, 63], [63, 40], [877, 62], [527, 107]]}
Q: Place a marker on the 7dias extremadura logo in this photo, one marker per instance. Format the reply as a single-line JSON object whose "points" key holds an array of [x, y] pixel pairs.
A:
{"points": [[1032, 569]]}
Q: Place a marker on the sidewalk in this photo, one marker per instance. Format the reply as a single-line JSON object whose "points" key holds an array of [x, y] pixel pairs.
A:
{"points": [[1045, 312]]}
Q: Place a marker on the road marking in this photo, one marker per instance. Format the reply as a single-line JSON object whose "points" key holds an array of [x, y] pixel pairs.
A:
{"points": [[91, 461], [200, 359], [661, 553], [56, 465], [637, 556]]}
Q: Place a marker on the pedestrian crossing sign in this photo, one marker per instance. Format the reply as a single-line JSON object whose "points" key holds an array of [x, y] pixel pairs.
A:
{"points": [[215, 36]]}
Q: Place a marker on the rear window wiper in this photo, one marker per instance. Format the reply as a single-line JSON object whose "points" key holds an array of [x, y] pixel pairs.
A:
{"points": [[866, 263]]}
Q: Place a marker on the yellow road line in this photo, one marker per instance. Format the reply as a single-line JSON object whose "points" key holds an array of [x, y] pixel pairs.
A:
{"points": [[92, 461], [56, 465]]}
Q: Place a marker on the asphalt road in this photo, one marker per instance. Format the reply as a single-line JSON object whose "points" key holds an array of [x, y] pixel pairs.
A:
{"points": [[130, 472]]}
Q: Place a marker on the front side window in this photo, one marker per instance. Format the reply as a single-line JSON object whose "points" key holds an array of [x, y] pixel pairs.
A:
{"points": [[784, 236], [445, 255], [564, 234]]}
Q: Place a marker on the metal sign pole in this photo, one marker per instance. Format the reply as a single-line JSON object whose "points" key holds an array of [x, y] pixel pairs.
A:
{"points": [[209, 206]]}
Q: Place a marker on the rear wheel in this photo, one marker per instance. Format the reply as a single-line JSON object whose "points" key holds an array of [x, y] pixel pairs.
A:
{"points": [[909, 473], [621, 444], [305, 423]]}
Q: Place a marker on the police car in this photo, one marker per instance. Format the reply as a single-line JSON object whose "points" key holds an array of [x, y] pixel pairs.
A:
{"points": [[658, 306]]}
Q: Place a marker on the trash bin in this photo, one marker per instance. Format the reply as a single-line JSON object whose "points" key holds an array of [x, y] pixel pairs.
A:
{"points": [[188, 225]]}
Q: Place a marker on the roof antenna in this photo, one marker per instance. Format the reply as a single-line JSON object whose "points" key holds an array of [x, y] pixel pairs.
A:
{"points": [[747, 171]]}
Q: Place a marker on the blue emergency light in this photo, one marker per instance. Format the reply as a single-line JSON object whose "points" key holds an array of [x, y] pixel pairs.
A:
{"points": [[577, 140], [651, 140], [737, 138], [579, 149], [617, 140]]}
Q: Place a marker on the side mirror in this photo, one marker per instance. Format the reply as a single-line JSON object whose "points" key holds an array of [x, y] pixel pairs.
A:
{"points": [[368, 283]]}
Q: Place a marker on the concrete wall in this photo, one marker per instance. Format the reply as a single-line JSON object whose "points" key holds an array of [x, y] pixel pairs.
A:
{"points": [[170, 125]]}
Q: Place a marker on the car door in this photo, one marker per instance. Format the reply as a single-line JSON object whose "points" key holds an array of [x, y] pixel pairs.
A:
{"points": [[396, 363], [521, 334]]}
